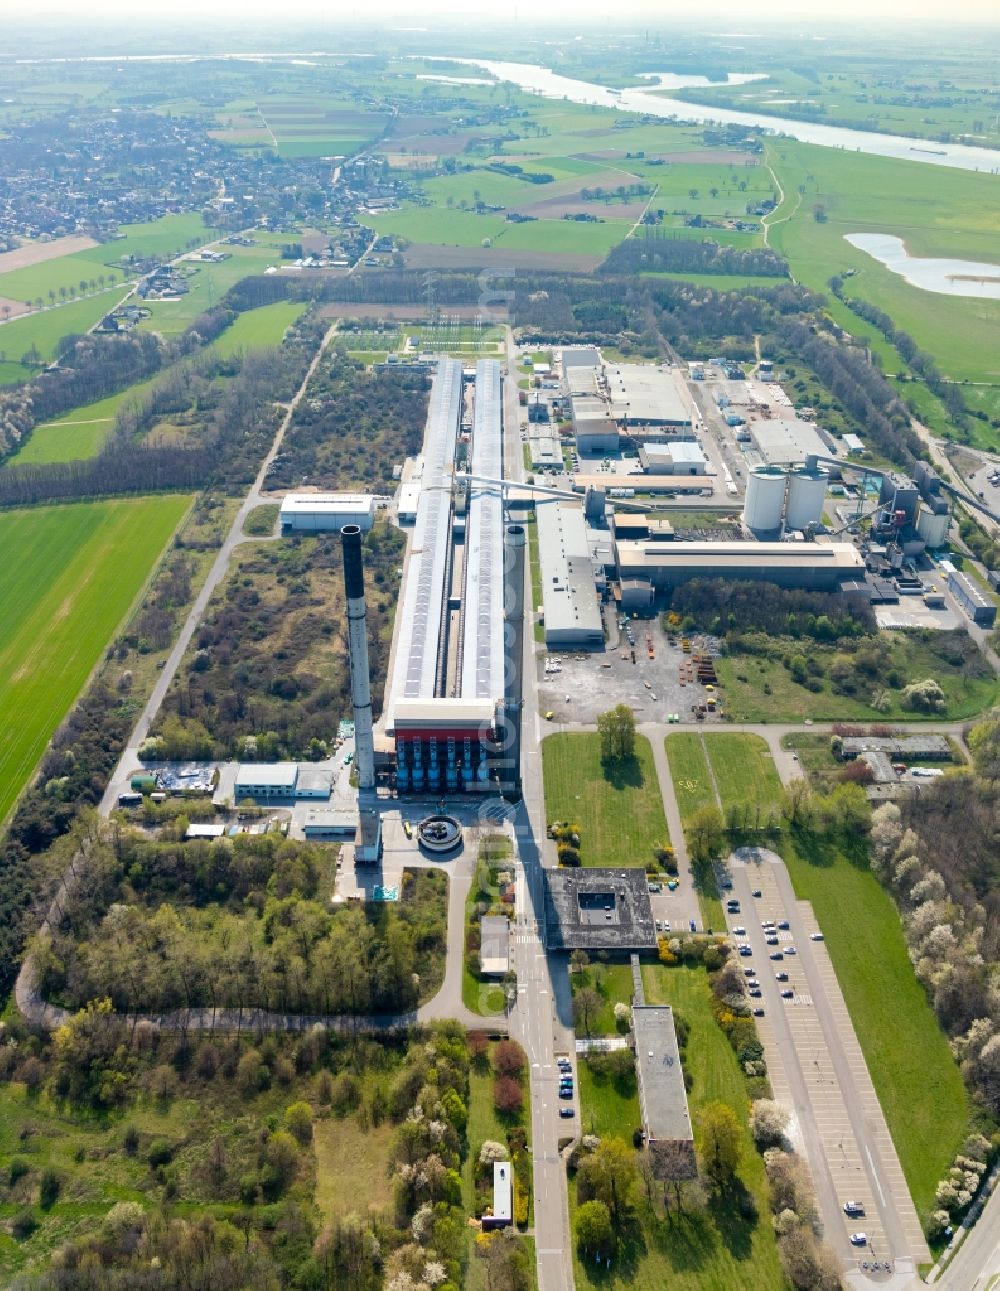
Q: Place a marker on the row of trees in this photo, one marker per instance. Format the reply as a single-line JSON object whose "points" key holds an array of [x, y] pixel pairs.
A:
{"points": [[920, 363], [721, 606], [92, 367], [657, 252]]}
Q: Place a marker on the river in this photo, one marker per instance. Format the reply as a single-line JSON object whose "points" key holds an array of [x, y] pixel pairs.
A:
{"points": [[947, 277], [542, 80]]}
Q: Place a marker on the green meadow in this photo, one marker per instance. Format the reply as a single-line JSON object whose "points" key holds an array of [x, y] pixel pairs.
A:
{"points": [[79, 568]]}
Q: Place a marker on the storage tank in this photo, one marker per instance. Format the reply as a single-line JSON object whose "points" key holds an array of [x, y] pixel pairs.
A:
{"points": [[933, 529], [765, 499], [807, 487]]}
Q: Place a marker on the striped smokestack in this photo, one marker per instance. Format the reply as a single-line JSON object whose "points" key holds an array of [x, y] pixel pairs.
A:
{"points": [[357, 644]]}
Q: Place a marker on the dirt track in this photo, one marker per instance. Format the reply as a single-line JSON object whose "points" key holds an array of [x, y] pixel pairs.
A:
{"points": [[37, 252]]}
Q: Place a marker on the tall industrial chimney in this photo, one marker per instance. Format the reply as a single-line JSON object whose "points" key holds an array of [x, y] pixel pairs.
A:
{"points": [[357, 644]]}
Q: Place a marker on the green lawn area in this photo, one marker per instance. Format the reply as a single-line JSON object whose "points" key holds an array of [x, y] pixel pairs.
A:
{"points": [[165, 237], [744, 769], [618, 809], [257, 328], [208, 283], [64, 441], [46, 328], [347, 1154], [915, 1076], [69, 272], [605, 1108], [78, 571], [714, 1250], [613, 983], [689, 772], [949, 213], [759, 689], [80, 432]]}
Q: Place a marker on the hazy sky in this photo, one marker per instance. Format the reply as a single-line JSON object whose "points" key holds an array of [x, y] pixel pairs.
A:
{"points": [[328, 12]]}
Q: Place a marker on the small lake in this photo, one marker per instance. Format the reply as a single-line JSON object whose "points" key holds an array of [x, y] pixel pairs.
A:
{"points": [[947, 277]]}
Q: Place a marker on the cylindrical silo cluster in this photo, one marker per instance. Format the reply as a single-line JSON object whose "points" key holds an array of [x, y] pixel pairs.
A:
{"points": [[807, 487], [765, 500], [778, 497]]}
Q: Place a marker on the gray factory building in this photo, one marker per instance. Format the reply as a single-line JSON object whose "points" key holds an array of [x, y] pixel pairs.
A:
{"points": [[642, 394], [789, 564], [666, 1120], [569, 593]]}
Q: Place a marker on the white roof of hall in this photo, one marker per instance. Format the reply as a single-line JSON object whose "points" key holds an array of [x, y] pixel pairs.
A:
{"points": [[569, 595], [739, 555], [360, 502], [418, 616], [482, 656], [642, 392]]}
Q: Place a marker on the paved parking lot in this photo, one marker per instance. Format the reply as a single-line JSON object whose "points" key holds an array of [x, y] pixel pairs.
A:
{"points": [[818, 1072], [598, 681]]}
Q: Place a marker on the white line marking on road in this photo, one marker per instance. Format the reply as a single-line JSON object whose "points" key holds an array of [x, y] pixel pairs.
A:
{"points": [[868, 1154]]}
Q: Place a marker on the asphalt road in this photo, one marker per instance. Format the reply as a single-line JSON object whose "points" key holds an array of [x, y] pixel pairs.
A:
{"points": [[220, 567], [818, 1071]]}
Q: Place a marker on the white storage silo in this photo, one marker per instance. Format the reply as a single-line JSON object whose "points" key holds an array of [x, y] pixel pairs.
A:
{"points": [[806, 495], [933, 528], [765, 499]]}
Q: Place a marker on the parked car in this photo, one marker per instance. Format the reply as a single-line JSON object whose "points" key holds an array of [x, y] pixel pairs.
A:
{"points": [[777, 954], [781, 977], [757, 893], [854, 1209], [745, 951], [565, 1093], [788, 995], [815, 936], [566, 1113], [859, 1239], [758, 1013]]}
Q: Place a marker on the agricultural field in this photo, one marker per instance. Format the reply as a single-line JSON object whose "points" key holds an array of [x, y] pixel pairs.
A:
{"points": [[916, 1078], [207, 284], [258, 328], [45, 328], [78, 571], [744, 770], [949, 213], [869, 96], [618, 807]]}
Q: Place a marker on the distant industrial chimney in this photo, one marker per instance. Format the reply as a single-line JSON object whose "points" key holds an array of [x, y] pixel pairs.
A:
{"points": [[357, 644]]}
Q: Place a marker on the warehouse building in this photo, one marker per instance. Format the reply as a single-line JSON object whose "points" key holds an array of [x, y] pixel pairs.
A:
{"points": [[666, 1120], [546, 452], [266, 781], [901, 747], [642, 394], [569, 593], [326, 512], [679, 458], [789, 564], [980, 608], [783, 441], [595, 430]]}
